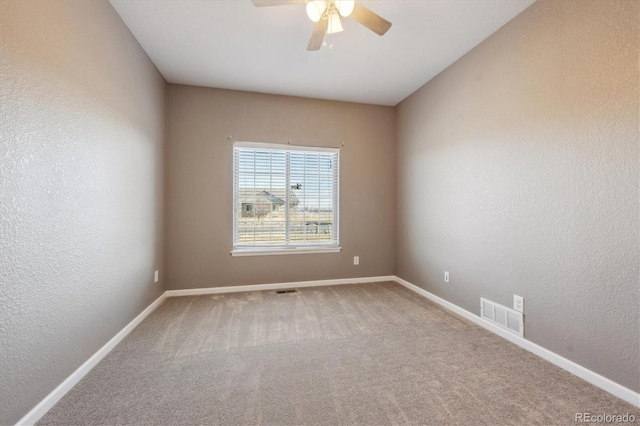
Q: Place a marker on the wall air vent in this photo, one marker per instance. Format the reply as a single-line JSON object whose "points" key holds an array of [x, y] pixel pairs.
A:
{"points": [[503, 317]]}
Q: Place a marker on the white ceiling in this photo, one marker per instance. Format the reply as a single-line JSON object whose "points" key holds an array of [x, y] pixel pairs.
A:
{"points": [[231, 44]]}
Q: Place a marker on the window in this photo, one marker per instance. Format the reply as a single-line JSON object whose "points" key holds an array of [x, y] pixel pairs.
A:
{"points": [[285, 199]]}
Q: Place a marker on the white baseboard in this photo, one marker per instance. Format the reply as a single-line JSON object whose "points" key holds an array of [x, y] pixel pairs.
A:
{"points": [[276, 286], [594, 378], [50, 400]]}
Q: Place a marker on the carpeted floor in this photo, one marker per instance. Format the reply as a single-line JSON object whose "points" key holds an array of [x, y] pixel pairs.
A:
{"points": [[367, 354]]}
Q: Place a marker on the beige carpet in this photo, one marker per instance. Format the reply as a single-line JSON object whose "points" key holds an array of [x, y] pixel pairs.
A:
{"points": [[367, 354]]}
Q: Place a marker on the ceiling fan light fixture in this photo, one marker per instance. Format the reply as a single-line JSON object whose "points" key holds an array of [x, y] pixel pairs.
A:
{"points": [[315, 9], [334, 25], [326, 15], [345, 7]]}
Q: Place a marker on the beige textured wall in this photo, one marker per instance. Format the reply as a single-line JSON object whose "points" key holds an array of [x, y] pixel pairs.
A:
{"points": [[517, 171], [199, 191], [81, 190]]}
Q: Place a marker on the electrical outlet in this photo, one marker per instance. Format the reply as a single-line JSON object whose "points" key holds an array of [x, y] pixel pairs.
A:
{"points": [[155, 276], [518, 303], [356, 260], [446, 276]]}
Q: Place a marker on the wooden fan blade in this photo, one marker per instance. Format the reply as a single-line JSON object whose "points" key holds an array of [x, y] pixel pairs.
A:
{"points": [[370, 20], [263, 3], [317, 36]]}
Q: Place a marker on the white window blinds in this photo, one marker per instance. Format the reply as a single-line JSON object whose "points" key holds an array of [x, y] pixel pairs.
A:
{"points": [[285, 196]]}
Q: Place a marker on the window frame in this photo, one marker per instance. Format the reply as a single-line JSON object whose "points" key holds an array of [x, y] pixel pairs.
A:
{"points": [[307, 248]]}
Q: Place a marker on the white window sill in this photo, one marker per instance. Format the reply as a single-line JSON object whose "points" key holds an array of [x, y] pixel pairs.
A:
{"points": [[280, 251]]}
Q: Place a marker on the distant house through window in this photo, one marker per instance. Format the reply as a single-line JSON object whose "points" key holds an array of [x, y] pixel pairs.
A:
{"points": [[285, 198]]}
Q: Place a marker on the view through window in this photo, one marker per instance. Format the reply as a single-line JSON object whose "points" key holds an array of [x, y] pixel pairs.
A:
{"points": [[285, 196]]}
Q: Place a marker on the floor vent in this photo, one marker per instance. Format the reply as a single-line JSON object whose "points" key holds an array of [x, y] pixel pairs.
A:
{"points": [[503, 317], [287, 290]]}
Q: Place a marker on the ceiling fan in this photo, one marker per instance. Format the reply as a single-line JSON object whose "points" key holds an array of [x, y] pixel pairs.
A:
{"points": [[326, 14]]}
